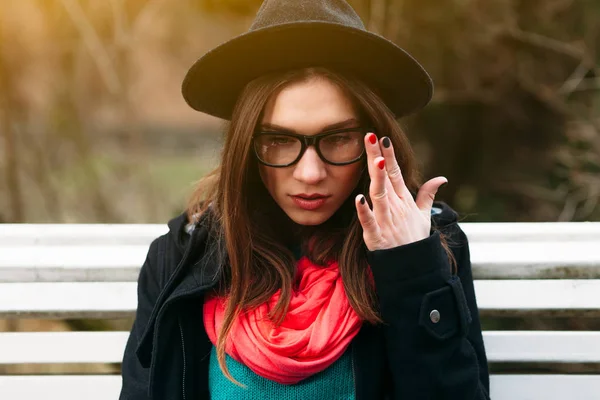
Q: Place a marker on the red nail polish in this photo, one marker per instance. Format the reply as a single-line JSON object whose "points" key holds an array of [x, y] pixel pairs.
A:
{"points": [[381, 164], [372, 138]]}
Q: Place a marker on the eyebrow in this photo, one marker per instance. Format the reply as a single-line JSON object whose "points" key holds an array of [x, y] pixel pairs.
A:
{"points": [[349, 123]]}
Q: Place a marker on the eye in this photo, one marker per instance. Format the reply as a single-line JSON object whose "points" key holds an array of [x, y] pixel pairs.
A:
{"points": [[276, 140], [343, 138], [280, 140], [340, 138]]}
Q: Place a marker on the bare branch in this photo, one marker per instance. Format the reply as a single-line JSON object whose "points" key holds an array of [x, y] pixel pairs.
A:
{"points": [[569, 209], [544, 42], [377, 19], [94, 45], [571, 84], [584, 84], [145, 16]]}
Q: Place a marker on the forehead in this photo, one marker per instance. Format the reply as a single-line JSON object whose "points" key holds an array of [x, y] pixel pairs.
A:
{"points": [[308, 106]]}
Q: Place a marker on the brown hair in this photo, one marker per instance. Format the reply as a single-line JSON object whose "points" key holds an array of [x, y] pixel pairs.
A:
{"points": [[255, 231]]}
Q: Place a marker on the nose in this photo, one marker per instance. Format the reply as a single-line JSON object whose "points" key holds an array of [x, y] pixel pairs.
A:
{"points": [[310, 169]]}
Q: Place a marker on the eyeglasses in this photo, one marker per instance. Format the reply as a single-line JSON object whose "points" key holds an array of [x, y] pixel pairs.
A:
{"points": [[339, 147]]}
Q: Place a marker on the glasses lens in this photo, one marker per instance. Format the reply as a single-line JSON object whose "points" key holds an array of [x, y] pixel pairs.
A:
{"points": [[342, 147], [277, 149]]}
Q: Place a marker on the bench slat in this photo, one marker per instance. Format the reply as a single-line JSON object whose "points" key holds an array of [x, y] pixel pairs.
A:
{"points": [[71, 263], [110, 263], [565, 295], [12, 235], [531, 231], [547, 387], [542, 346], [108, 347], [62, 347], [63, 387], [29, 234], [102, 387], [535, 260], [115, 252], [119, 299], [68, 300]]}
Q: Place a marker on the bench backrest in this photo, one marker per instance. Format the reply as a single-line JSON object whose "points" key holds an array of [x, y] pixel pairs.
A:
{"points": [[90, 271]]}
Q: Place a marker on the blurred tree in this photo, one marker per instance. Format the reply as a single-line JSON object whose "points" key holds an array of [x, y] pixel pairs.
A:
{"points": [[243, 7], [513, 123]]}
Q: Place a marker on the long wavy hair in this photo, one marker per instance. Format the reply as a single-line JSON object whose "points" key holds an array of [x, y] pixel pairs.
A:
{"points": [[256, 235]]}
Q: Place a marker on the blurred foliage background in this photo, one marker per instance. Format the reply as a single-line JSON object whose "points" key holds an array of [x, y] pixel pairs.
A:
{"points": [[93, 127]]}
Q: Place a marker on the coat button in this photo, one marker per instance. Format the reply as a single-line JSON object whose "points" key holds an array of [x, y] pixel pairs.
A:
{"points": [[434, 316]]}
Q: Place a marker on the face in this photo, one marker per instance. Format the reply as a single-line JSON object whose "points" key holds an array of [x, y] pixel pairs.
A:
{"points": [[310, 108]]}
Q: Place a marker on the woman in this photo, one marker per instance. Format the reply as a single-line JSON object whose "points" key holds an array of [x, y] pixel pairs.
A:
{"points": [[310, 263]]}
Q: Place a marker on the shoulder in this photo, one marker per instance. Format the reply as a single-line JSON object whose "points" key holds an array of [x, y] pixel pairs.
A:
{"points": [[442, 215], [445, 220], [166, 251], [156, 268]]}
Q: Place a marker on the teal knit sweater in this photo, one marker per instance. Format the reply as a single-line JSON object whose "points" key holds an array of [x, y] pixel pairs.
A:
{"points": [[335, 382]]}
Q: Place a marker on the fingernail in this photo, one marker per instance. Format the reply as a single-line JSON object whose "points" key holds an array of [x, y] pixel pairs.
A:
{"points": [[386, 142], [381, 164], [372, 138], [362, 200]]}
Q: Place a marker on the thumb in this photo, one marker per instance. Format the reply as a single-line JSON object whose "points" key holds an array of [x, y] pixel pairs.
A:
{"points": [[427, 193]]}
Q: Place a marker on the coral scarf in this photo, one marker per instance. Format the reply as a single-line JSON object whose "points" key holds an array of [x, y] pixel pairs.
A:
{"points": [[317, 329]]}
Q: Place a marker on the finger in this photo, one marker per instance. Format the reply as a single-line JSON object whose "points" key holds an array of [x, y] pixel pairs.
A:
{"points": [[378, 190], [427, 192], [393, 169], [367, 220], [373, 151]]}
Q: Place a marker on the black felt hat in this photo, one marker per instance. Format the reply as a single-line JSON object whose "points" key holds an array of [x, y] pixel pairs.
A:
{"points": [[290, 34]]}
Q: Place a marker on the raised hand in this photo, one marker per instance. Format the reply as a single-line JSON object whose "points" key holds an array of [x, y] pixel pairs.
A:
{"points": [[396, 219]]}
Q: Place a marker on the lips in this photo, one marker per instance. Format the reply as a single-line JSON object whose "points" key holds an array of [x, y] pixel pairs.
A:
{"points": [[311, 201], [310, 196]]}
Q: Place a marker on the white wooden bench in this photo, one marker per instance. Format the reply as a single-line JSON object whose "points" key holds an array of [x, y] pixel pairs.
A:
{"points": [[90, 271]]}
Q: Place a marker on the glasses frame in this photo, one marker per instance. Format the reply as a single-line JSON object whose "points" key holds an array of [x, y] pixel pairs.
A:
{"points": [[305, 142]]}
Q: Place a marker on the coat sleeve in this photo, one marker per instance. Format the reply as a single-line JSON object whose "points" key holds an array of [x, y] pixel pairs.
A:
{"points": [[431, 357], [135, 377]]}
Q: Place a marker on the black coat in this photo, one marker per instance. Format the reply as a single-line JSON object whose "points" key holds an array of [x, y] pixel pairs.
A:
{"points": [[409, 357]]}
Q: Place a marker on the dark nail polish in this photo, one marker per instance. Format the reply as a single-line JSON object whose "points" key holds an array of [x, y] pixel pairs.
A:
{"points": [[386, 142], [362, 200]]}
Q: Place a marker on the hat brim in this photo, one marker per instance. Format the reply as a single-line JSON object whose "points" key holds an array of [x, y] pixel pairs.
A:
{"points": [[214, 82]]}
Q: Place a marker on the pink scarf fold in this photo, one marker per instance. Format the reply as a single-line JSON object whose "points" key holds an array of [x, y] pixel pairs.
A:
{"points": [[317, 329]]}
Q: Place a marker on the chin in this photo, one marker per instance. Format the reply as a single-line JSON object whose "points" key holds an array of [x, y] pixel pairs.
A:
{"points": [[308, 218]]}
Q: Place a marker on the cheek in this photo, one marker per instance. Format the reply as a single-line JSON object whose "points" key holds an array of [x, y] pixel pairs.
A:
{"points": [[349, 177], [264, 176], [355, 172], [269, 177]]}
